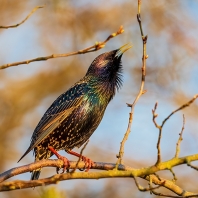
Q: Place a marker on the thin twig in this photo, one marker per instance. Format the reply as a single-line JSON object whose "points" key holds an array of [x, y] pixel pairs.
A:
{"points": [[157, 176], [155, 116], [180, 108], [16, 25], [160, 133], [158, 147], [97, 46], [121, 151], [165, 195], [142, 189], [164, 121], [180, 139], [174, 176], [139, 6], [141, 90], [81, 152], [173, 196], [194, 167]]}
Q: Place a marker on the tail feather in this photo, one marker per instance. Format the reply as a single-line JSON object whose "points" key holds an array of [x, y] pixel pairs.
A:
{"points": [[35, 174], [39, 155]]}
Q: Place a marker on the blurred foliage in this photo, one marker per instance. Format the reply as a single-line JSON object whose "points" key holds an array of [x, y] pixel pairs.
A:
{"points": [[64, 26], [51, 192]]}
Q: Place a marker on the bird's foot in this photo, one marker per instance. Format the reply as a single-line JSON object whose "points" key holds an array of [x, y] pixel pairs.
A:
{"points": [[66, 162], [88, 162]]}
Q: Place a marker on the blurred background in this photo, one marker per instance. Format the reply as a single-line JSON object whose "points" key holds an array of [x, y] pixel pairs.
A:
{"points": [[62, 26]]}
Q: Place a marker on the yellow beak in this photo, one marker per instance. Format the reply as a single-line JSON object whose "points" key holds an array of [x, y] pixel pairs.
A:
{"points": [[123, 49]]}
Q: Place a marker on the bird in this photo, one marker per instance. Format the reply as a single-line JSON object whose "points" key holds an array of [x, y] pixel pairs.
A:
{"points": [[74, 115]]}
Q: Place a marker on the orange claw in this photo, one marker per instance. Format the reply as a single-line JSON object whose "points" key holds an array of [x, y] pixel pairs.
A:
{"points": [[66, 162], [88, 162]]}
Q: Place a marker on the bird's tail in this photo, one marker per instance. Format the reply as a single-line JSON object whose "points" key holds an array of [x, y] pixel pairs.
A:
{"points": [[40, 154], [35, 174]]}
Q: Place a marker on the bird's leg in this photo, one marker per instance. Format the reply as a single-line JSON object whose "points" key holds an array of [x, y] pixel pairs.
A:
{"points": [[66, 163], [88, 161]]}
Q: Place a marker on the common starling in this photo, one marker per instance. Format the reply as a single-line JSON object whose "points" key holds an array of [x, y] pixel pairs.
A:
{"points": [[74, 115]]}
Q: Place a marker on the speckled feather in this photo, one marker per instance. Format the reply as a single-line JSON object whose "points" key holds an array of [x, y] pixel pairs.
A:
{"points": [[74, 115]]}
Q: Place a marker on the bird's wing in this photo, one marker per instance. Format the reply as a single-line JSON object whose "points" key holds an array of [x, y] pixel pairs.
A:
{"points": [[70, 98], [60, 109], [53, 124]]}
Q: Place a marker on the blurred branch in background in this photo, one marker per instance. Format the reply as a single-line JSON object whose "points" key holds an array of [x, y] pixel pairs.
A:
{"points": [[13, 26]]}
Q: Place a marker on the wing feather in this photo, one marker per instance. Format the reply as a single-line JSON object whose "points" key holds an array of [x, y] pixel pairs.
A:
{"points": [[60, 109]]}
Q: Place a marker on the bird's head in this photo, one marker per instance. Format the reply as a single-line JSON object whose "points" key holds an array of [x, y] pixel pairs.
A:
{"points": [[106, 69]]}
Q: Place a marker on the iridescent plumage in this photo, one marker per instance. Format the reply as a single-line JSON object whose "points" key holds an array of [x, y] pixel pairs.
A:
{"points": [[74, 115]]}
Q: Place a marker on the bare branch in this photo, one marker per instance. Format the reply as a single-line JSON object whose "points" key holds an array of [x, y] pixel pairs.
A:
{"points": [[97, 46], [164, 121], [164, 195], [142, 189], [141, 90], [81, 152], [158, 147], [123, 171], [174, 176], [180, 108], [155, 116], [194, 167], [16, 25], [169, 185], [180, 139], [160, 133]]}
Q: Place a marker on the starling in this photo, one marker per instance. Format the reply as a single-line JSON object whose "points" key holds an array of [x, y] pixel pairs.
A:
{"points": [[74, 115]]}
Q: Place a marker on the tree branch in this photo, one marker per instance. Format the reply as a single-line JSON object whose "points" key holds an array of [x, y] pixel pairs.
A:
{"points": [[142, 189], [109, 171], [180, 108], [180, 139], [16, 25], [164, 121], [97, 46], [141, 90]]}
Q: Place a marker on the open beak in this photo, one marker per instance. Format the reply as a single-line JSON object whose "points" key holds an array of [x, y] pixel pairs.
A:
{"points": [[123, 49]]}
